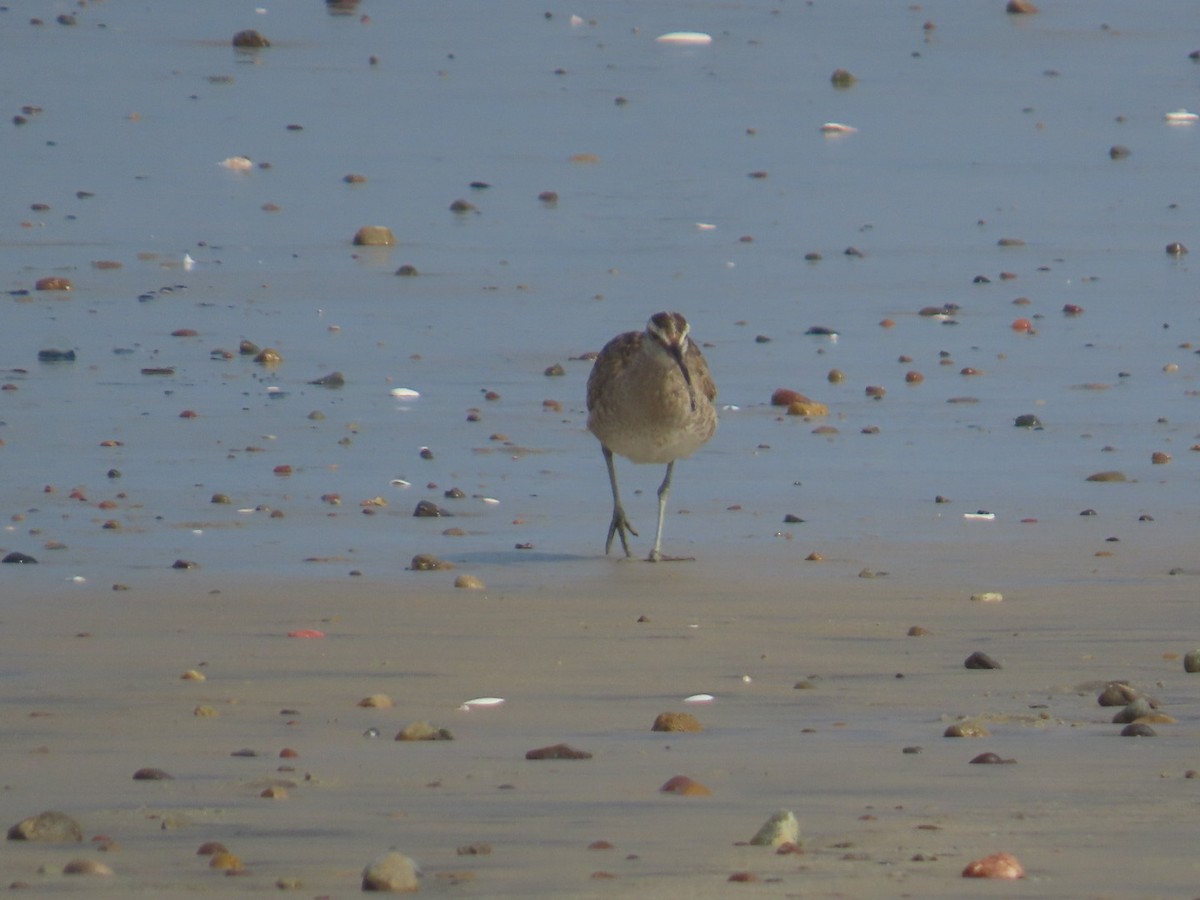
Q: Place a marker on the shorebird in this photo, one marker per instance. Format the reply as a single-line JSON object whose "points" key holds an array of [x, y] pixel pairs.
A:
{"points": [[650, 399]]}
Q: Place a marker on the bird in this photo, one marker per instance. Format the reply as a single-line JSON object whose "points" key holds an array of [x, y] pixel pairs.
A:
{"points": [[650, 399]]}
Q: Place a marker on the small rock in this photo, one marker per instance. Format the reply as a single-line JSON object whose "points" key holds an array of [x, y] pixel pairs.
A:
{"points": [[86, 867], [781, 828], [427, 562], [332, 380], [1134, 710], [469, 582], [676, 721], [151, 774], [1107, 476], [1028, 420], [685, 787], [746, 877], [54, 283], [987, 597], [423, 731], [225, 861], [19, 559], [841, 78], [1118, 151], [374, 236], [250, 40], [990, 758], [1176, 249], [268, 356], [980, 660], [1191, 661], [1117, 693], [376, 701], [1138, 729], [558, 751], [998, 865], [427, 509], [807, 408], [49, 826], [966, 730]]}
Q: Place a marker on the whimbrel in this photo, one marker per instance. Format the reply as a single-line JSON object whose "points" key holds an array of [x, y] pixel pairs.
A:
{"points": [[650, 399]]}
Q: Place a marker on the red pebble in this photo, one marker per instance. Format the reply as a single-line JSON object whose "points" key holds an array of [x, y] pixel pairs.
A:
{"points": [[1022, 325], [306, 633]]}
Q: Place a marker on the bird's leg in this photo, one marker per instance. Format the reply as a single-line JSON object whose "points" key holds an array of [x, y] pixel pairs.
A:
{"points": [[619, 524], [664, 491]]}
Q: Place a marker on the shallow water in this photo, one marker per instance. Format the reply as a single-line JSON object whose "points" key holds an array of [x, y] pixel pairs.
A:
{"points": [[986, 127]]}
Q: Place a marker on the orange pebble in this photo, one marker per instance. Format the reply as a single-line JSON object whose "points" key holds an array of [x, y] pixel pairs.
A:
{"points": [[1022, 325], [998, 865]]}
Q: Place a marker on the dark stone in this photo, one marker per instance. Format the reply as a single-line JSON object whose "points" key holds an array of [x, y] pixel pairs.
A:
{"points": [[50, 826], [332, 380], [54, 355], [980, 660], [558, 751], [18, 558], [250, 40], [1029, 420], [429, 509], [1136, 729]]}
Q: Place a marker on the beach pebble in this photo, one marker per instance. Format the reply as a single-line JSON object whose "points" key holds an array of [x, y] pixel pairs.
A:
{"points": [[558, 751], [842, 78], [53, 283], [1028, 420], [274, 792], [376, 701], [1132, 711], [86, 867], [743, 877], [193, 675], [151, 774], [676, 721], [1191, 661], [332, 380], [781, 828], [427, 562], [392, 873], [980, 660], [268, 356], [50, 826], [427, 509], [987, 597], [1117, 693], [469, 582], [1175, 248], [807, 408], [685, 787], [1110, 475], [17, 558], [990, 759], [211, 848], [250, 39], [966, 730], [225, 861], [998, 865], [1138, 729], [374, 236], [423, 731]]}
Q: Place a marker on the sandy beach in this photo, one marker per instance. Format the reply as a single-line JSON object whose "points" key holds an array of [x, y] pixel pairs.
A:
{"points": [[818, 690], [981, 273]]}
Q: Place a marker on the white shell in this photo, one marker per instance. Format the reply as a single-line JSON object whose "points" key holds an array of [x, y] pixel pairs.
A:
{"points": [[685, 38], [980, 516], [699, 698], [490, 500], [400, 482], [237, 163], [482, 703], [1181, 117], [837, 128], [405, 393]]}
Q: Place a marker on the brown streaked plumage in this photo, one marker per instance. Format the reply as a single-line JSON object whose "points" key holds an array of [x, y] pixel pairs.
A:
{"points": [[650, 399]]}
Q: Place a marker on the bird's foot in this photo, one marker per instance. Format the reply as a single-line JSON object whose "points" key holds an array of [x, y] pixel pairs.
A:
{"points": [[656, 556], [619, 526]]}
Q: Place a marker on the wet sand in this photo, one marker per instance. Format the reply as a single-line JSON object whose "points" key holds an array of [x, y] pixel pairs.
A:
{"points": [[93, 693]]}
